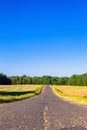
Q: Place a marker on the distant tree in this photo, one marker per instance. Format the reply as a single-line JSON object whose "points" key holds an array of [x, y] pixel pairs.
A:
{"points": [[54, 80], [72, 80], [34, 80], [75, 80], [25, 80], [46, 80], [84, 79], [4, 80]]}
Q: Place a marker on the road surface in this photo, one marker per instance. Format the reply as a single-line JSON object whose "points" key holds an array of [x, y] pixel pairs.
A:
{"points": [[43, 112]]}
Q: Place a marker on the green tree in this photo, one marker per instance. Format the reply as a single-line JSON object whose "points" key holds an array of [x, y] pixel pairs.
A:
{"points": [[4, 80]]}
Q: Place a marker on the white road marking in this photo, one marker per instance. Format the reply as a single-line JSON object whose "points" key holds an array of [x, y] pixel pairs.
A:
{"points": [[45, 117]]}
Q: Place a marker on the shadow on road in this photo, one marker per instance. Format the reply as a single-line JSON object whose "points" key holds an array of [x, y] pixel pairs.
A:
{"points": [[3, 93], [74, 128]]}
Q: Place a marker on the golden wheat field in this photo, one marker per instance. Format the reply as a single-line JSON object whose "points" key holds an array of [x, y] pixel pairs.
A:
{"points": [[17, 88], [10, 93], [73, 90]]}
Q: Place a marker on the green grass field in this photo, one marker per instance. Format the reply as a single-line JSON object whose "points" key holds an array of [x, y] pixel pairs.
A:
{"points": [[74, 93], [9, 93]]}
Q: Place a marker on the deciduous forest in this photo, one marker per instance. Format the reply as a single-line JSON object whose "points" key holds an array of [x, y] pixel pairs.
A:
{"points": [[74, 80]]}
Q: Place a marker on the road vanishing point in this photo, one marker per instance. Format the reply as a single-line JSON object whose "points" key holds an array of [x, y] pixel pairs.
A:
{"points": [[43, 112]]}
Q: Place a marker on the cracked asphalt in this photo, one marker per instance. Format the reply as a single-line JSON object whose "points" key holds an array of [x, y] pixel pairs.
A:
{"points": [[43, 112]]}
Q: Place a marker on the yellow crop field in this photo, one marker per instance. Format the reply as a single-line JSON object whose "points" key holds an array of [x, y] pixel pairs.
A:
{"points": [[10, 93], [73, 90], [75, 93]]}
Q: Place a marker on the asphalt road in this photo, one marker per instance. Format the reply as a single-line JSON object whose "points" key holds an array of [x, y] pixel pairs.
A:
{"points": [[43, 112]]}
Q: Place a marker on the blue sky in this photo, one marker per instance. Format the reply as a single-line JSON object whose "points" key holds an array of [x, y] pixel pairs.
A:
{"points": [[43, 37]]}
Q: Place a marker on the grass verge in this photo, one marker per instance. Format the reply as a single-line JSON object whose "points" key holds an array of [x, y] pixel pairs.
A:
{"points": [[78, 99], [18, 92]]}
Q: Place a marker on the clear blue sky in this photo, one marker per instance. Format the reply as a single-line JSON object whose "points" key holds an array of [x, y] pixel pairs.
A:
{"points": [[43, 37]]}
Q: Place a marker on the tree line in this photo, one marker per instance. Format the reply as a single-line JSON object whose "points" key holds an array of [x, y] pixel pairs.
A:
{"points": [[74, 80]]}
